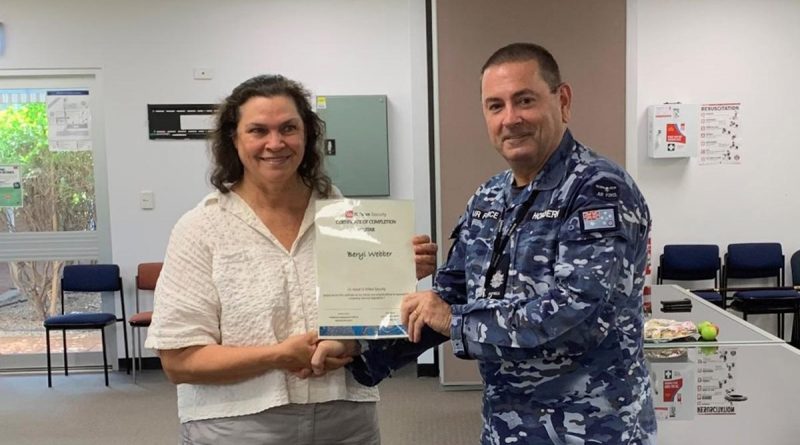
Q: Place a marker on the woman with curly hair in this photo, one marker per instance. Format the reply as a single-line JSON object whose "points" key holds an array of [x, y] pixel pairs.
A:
{"points": [[235, 308]]}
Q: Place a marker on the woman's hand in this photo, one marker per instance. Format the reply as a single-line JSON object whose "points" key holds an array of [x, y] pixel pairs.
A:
{"points": [[223, 364], [295, 352]]}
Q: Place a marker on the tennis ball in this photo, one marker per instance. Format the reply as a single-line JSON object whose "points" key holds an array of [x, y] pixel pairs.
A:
{"points": [[709, 332]]}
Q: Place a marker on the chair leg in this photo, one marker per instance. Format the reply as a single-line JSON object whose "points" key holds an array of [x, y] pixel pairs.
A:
{"points": [[781, 326], [139, 345], [49, 366], [64, 340], [127, 356], [141, 354], [105, 359], [133, 338]]}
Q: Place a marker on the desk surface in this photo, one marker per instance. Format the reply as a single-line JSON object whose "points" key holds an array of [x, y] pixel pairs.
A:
{"points": [[732, 329], [692, 379], [698, 379]]}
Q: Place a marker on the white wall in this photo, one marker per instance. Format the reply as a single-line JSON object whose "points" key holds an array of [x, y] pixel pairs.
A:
{"points": [[148, 49], [720, 51]]}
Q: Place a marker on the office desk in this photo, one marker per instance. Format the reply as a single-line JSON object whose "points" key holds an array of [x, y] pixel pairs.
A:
{"points": [[767, 374], [691, 380], [732, 329]]}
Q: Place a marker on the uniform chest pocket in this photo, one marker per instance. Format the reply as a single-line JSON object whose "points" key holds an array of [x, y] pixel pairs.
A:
{"points": [[481, 236], [536, 249], [483, 222]]}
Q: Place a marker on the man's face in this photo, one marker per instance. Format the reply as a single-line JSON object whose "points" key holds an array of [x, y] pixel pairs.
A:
{"points": [[524, 118]]}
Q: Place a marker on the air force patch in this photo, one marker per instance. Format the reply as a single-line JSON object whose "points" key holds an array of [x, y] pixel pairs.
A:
{"points": [[598, 220], [486, 214], [606, 189]]}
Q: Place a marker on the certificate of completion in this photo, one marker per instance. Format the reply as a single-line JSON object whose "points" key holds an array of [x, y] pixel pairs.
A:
{"points": [[365, 265]]}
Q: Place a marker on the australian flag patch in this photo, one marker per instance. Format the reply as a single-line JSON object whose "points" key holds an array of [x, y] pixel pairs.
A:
{"points": [[598, 220]]}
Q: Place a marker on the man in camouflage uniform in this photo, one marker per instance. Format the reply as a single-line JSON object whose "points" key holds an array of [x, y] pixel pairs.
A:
{"points": [[543, 283]]}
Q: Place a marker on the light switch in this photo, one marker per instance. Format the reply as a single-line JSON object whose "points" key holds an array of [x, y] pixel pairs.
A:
{"points": [[147, 200]]}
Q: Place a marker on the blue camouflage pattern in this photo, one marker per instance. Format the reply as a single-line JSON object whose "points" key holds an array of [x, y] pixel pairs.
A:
{"points": [[561, 352]]}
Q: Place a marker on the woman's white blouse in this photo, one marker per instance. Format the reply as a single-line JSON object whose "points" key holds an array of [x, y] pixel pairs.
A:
{"points": [[227, 280]]}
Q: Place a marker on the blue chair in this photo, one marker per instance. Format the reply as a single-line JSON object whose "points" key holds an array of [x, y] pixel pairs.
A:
{"points": [[87, 278], [759, 261], [692, 262], [795, 262]]}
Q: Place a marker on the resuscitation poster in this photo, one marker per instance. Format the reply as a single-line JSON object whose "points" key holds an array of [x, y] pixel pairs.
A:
{"points": [[720, 134]]}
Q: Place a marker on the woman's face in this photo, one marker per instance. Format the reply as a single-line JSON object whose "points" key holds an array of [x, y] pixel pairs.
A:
{"points": [[270, 140]]}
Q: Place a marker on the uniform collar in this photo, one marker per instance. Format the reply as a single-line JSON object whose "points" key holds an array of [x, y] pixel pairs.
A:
{"points": [[555, 168], [551, 174]]}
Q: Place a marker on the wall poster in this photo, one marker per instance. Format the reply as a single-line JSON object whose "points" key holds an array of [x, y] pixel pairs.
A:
{"points": [[720, 131], [10, 186], [69, 120]]}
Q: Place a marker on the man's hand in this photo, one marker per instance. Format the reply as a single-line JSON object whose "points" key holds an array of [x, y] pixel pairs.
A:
{"points": [[425, 308], [424, 255], [333, 354]]}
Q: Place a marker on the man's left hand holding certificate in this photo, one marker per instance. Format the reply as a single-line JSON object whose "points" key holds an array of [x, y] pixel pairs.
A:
{"points": [[365, 265]]}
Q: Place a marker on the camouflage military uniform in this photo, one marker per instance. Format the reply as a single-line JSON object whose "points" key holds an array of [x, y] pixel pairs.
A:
{"points": [[560, 345]]}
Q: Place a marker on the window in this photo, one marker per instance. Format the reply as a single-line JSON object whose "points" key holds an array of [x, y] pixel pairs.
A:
{"points": [[53, 200]]}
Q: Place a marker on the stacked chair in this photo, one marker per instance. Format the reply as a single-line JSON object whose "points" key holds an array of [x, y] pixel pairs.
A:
{"points": [[692, 262], [748, 261], [795, 263]]}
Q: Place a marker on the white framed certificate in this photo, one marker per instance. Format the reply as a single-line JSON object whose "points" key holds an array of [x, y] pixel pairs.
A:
{"points": [[365, 265]]}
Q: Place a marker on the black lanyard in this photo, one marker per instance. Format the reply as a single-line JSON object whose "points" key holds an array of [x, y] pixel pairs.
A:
{"points": [[501, 240]]}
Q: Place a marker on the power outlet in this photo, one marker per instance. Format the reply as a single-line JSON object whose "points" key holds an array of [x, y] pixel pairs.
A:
{"points": [[203, 73]]}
